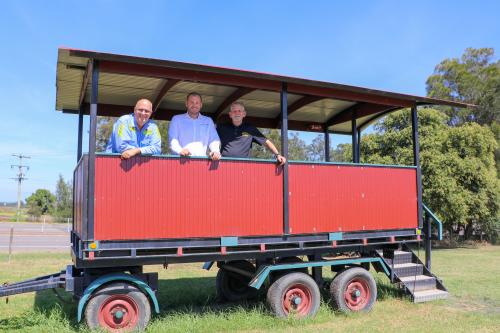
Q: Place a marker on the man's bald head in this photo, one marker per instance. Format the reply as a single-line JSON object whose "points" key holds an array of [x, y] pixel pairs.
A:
{"points": [[144, 102], [142, 111]]}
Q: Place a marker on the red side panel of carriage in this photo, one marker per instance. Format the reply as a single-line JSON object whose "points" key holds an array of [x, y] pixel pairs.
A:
{"points": [[168, 197]]}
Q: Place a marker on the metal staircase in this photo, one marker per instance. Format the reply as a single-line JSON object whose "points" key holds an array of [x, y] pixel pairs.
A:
{"points": [[407, 270], [412, 275]]}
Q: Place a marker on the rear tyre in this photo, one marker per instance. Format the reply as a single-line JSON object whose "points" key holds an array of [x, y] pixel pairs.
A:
{"points": [[234, 287], [353, 290], [294, 295], [118, 307]]}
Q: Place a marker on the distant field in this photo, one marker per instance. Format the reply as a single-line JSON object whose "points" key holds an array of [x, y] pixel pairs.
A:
{"points": [[8, 214], [187, 300]]}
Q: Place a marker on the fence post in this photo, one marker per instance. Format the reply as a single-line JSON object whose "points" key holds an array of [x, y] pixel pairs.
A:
{"points": [[10, 241], [43, 224]]}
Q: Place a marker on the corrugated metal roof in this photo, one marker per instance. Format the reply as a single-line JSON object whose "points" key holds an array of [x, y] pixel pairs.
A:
{"points": [[124, 79]]}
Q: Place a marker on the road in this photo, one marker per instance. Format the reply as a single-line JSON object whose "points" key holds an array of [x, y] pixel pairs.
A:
{"points": [[33, 237]]}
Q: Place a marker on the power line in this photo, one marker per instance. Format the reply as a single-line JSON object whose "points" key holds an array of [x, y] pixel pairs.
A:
{"points": [[19, 178]]}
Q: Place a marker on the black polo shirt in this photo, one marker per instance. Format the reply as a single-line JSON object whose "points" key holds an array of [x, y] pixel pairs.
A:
{"points": [[237, 140]]}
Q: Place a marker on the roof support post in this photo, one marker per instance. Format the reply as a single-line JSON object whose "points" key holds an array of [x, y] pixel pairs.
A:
{"points": [[416, 162], [284, 152], [80, 134], [327, 145], [92, 144], [358, 150], [354, 137]]}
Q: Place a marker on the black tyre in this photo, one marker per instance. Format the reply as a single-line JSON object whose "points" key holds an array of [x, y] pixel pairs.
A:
{"points": [[275, 275], [294, 294], [118, 307], [353, 290], [234, 287]]}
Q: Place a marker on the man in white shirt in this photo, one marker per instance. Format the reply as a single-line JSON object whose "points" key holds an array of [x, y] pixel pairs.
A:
{"points": [[190, 134]]}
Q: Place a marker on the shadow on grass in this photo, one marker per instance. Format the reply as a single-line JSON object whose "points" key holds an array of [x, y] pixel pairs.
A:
{"points": [[387, 291]]}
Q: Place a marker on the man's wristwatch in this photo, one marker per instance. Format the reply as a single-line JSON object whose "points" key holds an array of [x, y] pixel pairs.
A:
{"points": [[276, 156]]}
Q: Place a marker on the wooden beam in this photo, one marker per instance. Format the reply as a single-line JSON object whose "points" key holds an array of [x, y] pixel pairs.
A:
{"points": [[349, 95], [85, 82], [377, 116], [111, 110], [188, 75], [237, 94], [299, 104], [361, 109], [162, 92]]}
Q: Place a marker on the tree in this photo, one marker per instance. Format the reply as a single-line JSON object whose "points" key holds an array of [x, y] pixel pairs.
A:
{"points": [[316, 150], [296, 146], [41, 202], [475, 79], [64, 198], [458, 167]]}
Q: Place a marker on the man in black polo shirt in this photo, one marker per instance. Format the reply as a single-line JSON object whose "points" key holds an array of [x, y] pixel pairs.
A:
{"points": [[237, 138]]}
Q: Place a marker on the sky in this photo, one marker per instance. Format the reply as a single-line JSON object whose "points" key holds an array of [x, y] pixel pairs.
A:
{"points": [[387, 45]]}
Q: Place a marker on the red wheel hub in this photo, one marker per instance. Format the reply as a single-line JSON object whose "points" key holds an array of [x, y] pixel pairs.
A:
{"points": [[357, 294], [297, 300], [118, 312]]}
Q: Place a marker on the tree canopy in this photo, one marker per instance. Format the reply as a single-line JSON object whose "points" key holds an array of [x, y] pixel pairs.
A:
{"points": [[458, 167], [475, 79], [41, 202], [64, 198]]}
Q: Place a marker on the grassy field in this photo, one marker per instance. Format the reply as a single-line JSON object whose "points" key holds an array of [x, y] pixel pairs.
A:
{"points": [[9, 214], [188, 304]]}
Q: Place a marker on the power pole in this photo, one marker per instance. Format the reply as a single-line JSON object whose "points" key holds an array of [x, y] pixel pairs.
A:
{"points": [[19, 178]]}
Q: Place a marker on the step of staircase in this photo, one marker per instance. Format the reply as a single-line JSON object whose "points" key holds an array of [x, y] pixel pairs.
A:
{"points": [[429, 295], [419, 282], [399, 257], [408, 269]]}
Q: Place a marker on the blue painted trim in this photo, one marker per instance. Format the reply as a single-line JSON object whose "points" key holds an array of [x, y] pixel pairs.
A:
{"points": [[334, 236], [273, 161], [356, 164], [228, 241], [264, 271], [96, 284], [208, 265], [437, 220]]}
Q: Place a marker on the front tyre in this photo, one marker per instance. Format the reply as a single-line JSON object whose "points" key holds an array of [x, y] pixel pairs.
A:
{"points": [[118, 307], [294, 295]]}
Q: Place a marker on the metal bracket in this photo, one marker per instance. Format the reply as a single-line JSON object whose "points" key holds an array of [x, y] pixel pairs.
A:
{"points": [[263, 271]]}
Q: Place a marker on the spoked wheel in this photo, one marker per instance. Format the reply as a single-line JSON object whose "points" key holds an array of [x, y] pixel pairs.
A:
{"points": [[294, 294], [353, 290], [118, 307], [234, 287]]}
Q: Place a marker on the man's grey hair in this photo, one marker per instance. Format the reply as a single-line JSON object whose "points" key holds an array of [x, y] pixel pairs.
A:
{"points": [[237, 103]]}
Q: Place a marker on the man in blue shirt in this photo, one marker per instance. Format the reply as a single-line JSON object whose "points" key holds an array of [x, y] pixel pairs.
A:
{"points": [[191, 134], [135, 134]]}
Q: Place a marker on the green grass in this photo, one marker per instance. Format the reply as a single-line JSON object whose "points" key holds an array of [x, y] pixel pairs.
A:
{"points": [[188, 304]]}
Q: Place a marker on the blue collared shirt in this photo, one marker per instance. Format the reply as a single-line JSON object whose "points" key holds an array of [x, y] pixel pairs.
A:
{"points": [[126, 135], [196, 135]]}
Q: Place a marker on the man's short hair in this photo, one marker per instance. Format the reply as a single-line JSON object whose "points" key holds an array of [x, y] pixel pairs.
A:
{"points": [[194, 93], [237, 103]]}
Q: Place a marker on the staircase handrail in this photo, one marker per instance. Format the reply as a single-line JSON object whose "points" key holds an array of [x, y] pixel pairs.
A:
{"points": [[436, 220]]}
